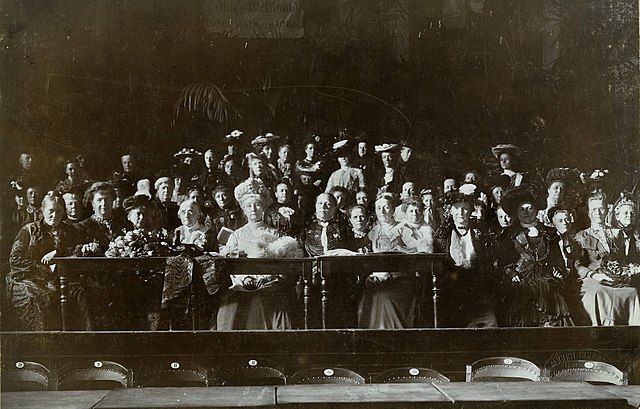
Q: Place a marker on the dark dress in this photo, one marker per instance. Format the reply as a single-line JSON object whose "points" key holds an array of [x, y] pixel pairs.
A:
{"points": [[105, 292], [538, 299], [32, 288], [466, 297]]}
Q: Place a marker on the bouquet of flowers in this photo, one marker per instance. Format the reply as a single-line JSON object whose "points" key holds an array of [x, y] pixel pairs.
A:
{"points": [[138, 243], [88, 250], [622, 275]]}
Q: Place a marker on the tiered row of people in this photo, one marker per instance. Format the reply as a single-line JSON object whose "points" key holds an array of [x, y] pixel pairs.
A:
{"points": [[517, 253]]}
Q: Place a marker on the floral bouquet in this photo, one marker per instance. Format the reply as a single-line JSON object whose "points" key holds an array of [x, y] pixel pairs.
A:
{"points": [[138, 243], [88, 250], [622, 275]]}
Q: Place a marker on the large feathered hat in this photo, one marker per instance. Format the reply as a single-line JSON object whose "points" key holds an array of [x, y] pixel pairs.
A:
{"points": [[253, 188]]}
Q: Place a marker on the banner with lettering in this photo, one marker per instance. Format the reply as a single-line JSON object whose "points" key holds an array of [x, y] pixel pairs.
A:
{"points": [[255, 18]]}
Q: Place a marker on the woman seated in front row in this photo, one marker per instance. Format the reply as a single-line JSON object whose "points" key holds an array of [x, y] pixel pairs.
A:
{"points": [[32, 285], [467, 287], [606, 303], [258, 301], [389, 299]]}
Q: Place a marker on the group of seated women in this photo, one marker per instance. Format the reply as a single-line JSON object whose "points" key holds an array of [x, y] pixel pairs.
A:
{"points": [[516, 254]]}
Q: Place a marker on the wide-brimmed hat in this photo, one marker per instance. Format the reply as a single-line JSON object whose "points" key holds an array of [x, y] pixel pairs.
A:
{"points": [[267, 138], [234, 135], [386, 147], [186, 152], [306, 169], [565, 175], [342, 148], [515, 196], [506, 148]]}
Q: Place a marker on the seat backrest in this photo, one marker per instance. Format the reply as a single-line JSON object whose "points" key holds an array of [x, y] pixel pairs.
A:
{"points": [[502, 369], [409, 375], [25, 376], [174, 373], [581, 370], [251, 372], [327, 376], [93, 374]]}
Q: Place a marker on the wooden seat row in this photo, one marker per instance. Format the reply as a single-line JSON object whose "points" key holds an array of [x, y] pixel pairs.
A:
{"points": [[103, 374]]}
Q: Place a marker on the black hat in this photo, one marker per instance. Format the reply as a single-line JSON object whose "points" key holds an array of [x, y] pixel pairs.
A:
{"points": [[515, 196], [133, 202], [467, 193], [497, 180]]}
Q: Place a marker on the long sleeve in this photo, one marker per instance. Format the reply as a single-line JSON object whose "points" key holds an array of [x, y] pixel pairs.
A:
{"points": [[22, 262]]}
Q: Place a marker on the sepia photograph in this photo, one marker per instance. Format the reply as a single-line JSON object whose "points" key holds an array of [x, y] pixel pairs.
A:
{"points": [[320, 204]]}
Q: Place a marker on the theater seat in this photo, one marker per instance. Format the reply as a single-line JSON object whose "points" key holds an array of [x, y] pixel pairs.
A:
{"points": [[409, 375], [25, 376], [327, 376], [587, 371], [93, 374], [502, 369], [174, 373], [252, 372]]}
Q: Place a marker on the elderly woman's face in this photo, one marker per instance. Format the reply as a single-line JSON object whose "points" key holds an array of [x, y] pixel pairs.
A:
{"points": [[358, 219], [164, 192], [325, 207], [73, 205], [414, 214], [139, 217], [597, 211], [625, 215], [384, 210], [188, 215], [527, 213], [52, 213], [556, 191], [253, 209], [504, 220], [102, 204], [561, 221], [505, 161], [461, 212]]}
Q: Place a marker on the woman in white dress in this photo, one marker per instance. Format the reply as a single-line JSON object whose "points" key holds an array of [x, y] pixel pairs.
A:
{"points": [[254, 301]]}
